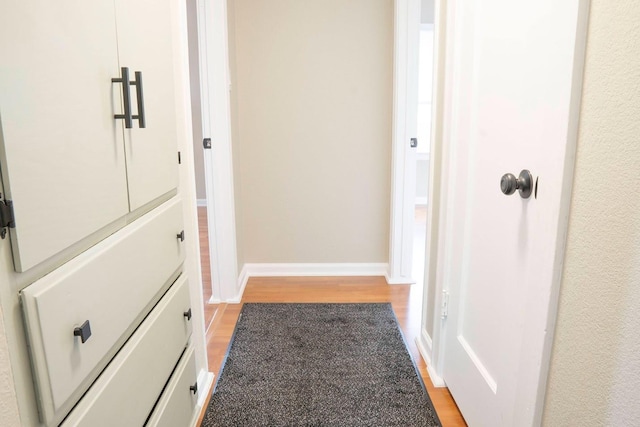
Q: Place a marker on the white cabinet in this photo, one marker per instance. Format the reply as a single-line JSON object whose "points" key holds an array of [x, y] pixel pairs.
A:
{"points": [[109, 288], [68, 166], [62, 153], [128, 389], [144, 45], [97, 239], [178, 402]]}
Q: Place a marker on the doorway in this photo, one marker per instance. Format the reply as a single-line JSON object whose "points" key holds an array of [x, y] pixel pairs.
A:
{"points": [[198, 153], [422, 157]]}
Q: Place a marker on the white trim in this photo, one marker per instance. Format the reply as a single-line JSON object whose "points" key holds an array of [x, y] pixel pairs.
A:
{"points": [[424, 348], [403, 280], [242, 284], [422, 201], [423, 156], [405, 106], [565, 208], [205, 381], [218, 163], [201, 202], [315, 269], [437, 186]]}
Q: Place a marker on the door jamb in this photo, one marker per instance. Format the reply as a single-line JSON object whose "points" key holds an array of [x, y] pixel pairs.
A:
{"points": [[404, 127], [218, 161], [429, 345]]}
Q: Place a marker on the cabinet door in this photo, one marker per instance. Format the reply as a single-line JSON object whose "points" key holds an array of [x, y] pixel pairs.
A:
{"points": [[61, 151], [145, 35]]}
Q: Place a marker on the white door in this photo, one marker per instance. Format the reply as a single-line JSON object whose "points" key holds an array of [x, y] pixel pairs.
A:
{"points": [[513, 98], [145, 44], [62, 153]]}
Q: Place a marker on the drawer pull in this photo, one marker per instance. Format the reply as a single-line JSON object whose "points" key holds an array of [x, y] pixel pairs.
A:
{"points": [[187, 314], [180, 236], [194, 388], [84, 331]]}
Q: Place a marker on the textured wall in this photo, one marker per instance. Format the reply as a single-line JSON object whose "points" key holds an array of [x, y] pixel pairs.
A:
{"points": [[595, 370], [314, 100], [8, 403]]}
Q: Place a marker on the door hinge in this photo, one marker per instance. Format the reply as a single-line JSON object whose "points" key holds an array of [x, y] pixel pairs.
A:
{"points": [[445, 304], [179, 158], [206, 143], [7, 218]]}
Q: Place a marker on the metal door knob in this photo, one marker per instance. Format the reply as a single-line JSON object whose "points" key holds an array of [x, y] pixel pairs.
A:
{"points": [[524, 184]]}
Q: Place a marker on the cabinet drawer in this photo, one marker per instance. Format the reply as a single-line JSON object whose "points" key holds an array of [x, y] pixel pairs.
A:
{"points": [[126, 391], [178, 402], [112, 286]]}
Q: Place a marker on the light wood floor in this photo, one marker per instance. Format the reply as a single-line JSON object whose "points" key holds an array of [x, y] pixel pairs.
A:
{"points": [[405, 300]]}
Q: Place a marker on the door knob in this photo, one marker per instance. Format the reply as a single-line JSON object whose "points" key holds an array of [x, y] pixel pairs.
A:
{"points": [[524, 184]]}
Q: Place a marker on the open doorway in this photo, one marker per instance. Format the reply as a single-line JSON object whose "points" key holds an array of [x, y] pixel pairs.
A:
{"points": [[198, 154], [425, 83], [422, 154]]}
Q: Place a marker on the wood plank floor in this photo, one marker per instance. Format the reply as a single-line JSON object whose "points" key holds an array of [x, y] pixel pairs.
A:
{"points": [[405, 300]]}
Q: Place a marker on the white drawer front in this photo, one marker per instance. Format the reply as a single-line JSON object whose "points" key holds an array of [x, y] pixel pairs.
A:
{"points": [[126, 391], [112, 286], [178, 402]]}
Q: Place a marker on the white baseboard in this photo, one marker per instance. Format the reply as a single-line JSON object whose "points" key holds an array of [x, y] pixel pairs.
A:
{"points": [[202, 202], [421, 201], [425, 347], [242, 283], [399, 280], [316, 269], [205, 380]]}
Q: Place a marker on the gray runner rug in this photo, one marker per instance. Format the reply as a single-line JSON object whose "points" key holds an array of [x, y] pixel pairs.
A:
{"points": [[319, 365]]}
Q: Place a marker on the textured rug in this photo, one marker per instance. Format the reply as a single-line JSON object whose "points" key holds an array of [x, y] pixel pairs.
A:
{"points": [[319, 365]]}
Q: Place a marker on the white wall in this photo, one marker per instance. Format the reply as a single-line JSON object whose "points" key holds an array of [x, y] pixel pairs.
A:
{"points": [[595, 370], [422, 179], [427, 11], [314, 99]]}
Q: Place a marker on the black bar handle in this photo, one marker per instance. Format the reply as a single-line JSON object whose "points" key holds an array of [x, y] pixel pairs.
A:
{"points": [[187, 314], [194, 388], [126, 98], [180, 236], [140, 97]]}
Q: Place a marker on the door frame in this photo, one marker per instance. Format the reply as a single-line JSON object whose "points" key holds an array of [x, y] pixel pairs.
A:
{"points": [[404, 127], [440, 212], [218, 161]]}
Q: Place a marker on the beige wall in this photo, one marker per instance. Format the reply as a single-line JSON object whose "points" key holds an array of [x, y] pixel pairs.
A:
{"points": [[314, 98], [595, 369]]}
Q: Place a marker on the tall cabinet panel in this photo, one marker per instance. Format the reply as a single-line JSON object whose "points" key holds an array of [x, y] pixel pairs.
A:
{"points": [[145, 45], [61, 152]]}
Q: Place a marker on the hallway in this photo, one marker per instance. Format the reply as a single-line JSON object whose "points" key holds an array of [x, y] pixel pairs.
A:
{"points": [[220, 319]]}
